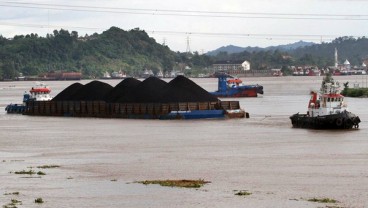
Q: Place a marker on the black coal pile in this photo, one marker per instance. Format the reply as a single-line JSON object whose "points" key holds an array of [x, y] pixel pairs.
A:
{"points": [[148, 91], [130, 90], [67, 92], [94, 90], [182, 89], [122, 89]]}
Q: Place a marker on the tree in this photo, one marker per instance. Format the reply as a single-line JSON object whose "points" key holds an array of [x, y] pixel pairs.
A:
{"points": [[8, 70]]}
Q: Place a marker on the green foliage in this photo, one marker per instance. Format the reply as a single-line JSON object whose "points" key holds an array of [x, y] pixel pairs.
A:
{"points": [[321, 55], [355, 92], [243, 193], [177, 183], [113, 50], [41, 173], [39, 201], [13, 203], [13, 193], [134, 51], [48, 166], [25, 172], [323, 200]]}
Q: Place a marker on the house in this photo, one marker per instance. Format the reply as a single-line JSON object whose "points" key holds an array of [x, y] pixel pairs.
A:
{"points": [[231, 66]]}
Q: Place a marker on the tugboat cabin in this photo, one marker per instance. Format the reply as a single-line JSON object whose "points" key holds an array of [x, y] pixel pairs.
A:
{"points": [[328, 103]]}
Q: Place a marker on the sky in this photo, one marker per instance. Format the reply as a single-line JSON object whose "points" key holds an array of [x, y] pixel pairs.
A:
{"points": [[193, 25]]}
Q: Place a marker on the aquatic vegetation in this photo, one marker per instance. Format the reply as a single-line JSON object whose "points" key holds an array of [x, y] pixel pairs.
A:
{"points": [[323, 200], [177, 183], [25, 172], [48, 166], [13, 193], [242, 193], [39, 201], [41, 173], [29, 172], [13, 204]]}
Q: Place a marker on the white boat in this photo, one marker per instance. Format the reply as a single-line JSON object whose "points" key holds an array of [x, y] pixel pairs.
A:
{"points": [[326, 110]]}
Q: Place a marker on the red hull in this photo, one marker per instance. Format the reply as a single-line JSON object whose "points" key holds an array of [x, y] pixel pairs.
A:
{"points": [[243, 93]]}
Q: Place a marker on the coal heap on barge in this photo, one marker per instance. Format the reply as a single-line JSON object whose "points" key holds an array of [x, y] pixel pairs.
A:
{"points": [[326, 110], [152, 98]]}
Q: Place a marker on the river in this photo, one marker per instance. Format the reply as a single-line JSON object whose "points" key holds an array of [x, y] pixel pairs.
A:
{"points": [[100, 159]]}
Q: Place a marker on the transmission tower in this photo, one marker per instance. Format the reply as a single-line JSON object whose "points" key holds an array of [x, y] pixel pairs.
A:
{"points": [[188, 45]]}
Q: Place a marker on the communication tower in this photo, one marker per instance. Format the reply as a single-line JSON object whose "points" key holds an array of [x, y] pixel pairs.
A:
{"points": [[188, 45]]}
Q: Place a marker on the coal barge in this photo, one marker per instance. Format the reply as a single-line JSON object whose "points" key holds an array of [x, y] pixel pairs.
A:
{"points": [[152, 98], [326, 110]]}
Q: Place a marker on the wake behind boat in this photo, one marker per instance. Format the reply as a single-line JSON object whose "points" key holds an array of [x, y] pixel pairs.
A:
{"points": [[326, 109]]}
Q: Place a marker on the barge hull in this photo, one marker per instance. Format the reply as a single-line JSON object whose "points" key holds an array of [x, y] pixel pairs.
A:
{"points": [[101, 109]]}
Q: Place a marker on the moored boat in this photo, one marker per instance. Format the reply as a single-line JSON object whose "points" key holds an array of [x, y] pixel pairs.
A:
{"points": [[326, 110], [235, 87]]}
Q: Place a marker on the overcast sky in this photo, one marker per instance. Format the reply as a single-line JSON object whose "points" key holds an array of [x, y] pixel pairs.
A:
{"points": [[204, 24]]}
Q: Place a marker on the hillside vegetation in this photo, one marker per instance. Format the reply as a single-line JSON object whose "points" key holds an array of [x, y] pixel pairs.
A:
{"points": [[321, 55], [113, 50], [134, 51]]}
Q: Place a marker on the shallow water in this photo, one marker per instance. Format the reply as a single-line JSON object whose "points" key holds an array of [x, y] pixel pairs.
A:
{"points": [[101, 158]]}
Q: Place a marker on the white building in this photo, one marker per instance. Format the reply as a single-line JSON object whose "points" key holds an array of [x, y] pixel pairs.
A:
{"points": [[231, 66]]}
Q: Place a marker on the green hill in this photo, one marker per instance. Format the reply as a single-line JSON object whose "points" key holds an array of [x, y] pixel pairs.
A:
{"points": [[134, 51], [321, 55], [115, 49]]}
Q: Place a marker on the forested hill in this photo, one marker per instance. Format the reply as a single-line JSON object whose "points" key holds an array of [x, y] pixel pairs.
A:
{"points": [[355, 50], [112, 50], [134, 51]]}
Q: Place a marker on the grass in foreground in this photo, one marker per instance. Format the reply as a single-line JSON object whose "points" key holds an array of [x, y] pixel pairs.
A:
{"points": [[177, 183]]}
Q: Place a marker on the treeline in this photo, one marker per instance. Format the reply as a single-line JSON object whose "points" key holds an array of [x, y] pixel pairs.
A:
{"points": [[322, 55], [134, 51], [113, 50]]}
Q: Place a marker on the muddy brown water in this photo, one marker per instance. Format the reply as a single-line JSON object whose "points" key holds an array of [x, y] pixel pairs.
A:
{"points": [[101, 158]]}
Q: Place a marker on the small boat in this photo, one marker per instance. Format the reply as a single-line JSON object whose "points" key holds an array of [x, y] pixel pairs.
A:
{"points": [[326, 109], [235, 87], [40, 92]]}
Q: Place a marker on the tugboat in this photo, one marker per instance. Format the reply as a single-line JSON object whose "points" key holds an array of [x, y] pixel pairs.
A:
{"points": [[234, 87], [326, 109], [40, 92]]}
